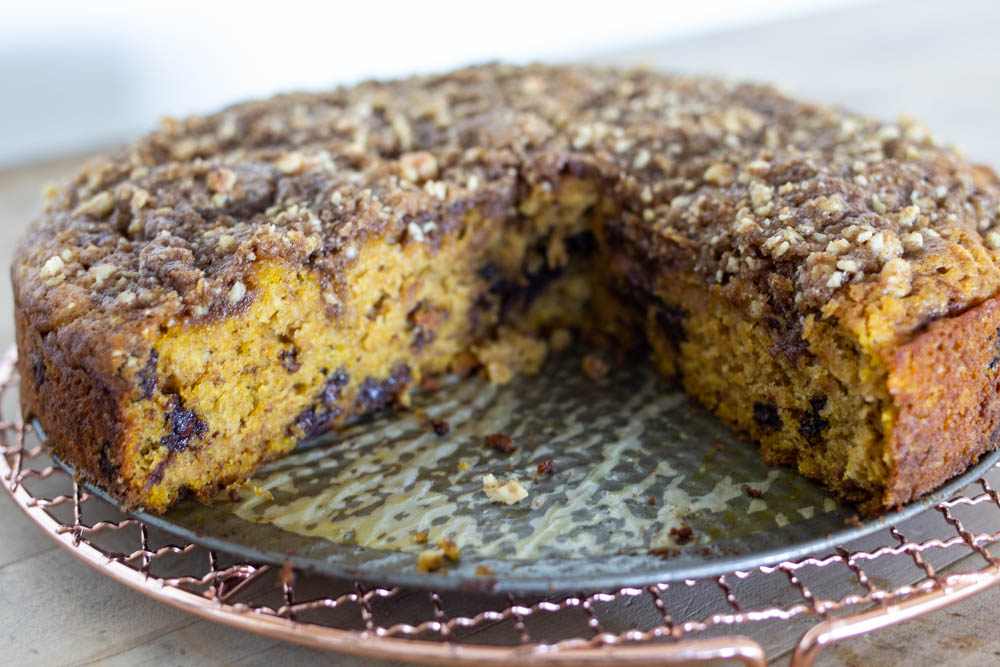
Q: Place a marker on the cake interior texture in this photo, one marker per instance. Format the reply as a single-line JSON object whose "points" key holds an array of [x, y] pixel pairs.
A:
{"points": [[878, 397]]}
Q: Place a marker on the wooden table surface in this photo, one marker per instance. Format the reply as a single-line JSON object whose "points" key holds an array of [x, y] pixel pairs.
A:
{"points": [[937, 61]]}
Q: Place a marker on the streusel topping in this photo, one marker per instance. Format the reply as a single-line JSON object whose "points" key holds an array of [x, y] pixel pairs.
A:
{"points": [[790, 208]]}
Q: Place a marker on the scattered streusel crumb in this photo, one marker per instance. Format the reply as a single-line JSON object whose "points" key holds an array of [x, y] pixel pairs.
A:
{"points": [[501, 443], [594, 367], [508, 493], [419, 537], [510, 354], [449, 548], [682, 534], [545, 467], [484, 570], [430, 560]]}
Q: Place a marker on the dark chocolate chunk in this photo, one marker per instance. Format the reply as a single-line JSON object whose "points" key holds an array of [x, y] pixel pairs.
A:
{"points": [[811, 424], [766, 416], [289, 359], [670, 321], [107, 467], [147, 376], [375, 395], [184, 426]]}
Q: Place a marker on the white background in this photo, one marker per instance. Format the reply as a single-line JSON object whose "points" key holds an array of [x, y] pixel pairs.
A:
{"points": [[78, 75]]}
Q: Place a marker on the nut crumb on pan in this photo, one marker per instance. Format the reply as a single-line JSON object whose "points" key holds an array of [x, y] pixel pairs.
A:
{"points": [[508, 493], [682, 534], [546, 467], [501, 443], [449, 548], [594, 367], [752, 492], [430, 560]]}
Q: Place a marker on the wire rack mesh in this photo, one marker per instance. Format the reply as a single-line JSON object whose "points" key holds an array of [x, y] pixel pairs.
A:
{"points": [[909, 569]]}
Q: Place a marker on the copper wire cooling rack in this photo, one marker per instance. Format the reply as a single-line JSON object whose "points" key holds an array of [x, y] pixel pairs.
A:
{"points": [[907, 570]]}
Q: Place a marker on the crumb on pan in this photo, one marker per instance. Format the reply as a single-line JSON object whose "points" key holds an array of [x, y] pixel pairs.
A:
{"points": [[508, 493], [449, 548], [501, 443], [430, 560], [594, 367]]}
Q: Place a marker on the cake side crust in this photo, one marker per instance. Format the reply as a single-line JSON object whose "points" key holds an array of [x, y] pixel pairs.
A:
{"points": [[945, 385]]}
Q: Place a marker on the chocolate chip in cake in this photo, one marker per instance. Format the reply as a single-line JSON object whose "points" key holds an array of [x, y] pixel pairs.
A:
{"points": [[289, 359], [812, 424], [670, 320], [184, 425], [766, 416], [374, 395], [146, 378]]}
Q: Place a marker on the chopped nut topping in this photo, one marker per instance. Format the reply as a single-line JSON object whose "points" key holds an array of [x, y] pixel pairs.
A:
{"points": [[102, 272], [290, 163], [719, 174], [53, 267], [97, 206], [221, 180], [418, 167], [237, 292]]}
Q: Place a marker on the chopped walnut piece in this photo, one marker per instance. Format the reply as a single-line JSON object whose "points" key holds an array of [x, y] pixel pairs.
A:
{"points": [[508, 493], [97, 206], [418, 167], [220, 180], [719, 174]]}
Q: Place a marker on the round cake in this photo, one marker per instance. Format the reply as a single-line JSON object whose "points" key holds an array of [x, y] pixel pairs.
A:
{"points": [[199, 301]]}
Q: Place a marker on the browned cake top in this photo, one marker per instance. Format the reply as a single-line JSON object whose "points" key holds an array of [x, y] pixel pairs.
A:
{"points": [[792, 208]]}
